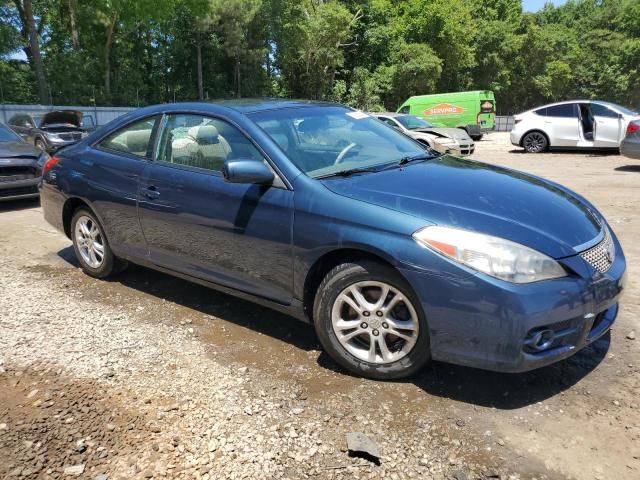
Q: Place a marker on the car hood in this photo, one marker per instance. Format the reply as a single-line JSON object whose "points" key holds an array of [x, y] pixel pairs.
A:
{"points": [[10, 150], [455, 133], [474, 196], [70, 118]]}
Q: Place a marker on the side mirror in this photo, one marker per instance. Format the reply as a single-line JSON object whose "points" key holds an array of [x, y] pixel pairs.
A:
{"points": [[247, 171]]}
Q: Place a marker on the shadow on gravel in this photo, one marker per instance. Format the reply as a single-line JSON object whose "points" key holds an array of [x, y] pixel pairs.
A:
{"points": [[479, 387], [504, 391], [211, 302], [628, 168], [14, 205], [508, 391], [588, 153]]}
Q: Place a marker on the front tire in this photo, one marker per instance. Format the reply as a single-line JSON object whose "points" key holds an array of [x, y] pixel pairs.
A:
{"points": [[369, 321], [40, 144], [90, 245], [535, 142]]}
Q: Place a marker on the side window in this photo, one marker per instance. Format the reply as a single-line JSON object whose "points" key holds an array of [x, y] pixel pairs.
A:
{"points": [[87, 121], [405, 109], [17, 120], [541, 111], [203, 142], [566, 111], [135, 138], [602, 111]]}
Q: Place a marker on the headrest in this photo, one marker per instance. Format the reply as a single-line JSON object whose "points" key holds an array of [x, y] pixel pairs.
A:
{"points": [[204, 134]]}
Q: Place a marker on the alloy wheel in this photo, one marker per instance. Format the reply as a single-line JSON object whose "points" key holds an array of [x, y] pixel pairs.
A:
{"points": [[89, 241], [535, 142], [375, 322]]}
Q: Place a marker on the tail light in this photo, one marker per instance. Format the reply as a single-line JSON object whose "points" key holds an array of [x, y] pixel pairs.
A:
{"points": [[516, 120], [633, 128], [49, 164]]}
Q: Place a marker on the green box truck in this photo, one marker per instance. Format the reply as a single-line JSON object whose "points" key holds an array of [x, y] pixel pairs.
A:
{"points": [[473, 111]]}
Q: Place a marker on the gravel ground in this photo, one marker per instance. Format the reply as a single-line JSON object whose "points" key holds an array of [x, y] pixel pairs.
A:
{"points": [[147, 376]]}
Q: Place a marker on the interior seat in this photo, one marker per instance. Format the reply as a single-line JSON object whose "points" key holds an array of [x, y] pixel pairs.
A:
{"points": [[202, 147]]}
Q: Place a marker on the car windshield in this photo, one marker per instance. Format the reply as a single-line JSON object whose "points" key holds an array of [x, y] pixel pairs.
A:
{"points": [[624, 110], [7, 135], [411, 122], [326, 140]]}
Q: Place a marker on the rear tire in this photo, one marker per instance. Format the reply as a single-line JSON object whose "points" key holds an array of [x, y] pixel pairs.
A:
{"points": [[91, 246], [40, 144], [358, 330], [535, 142]]}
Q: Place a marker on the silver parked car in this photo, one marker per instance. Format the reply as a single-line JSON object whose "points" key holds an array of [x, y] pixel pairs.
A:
{"points": [[572, 124], [440, 139], [630, 146]]}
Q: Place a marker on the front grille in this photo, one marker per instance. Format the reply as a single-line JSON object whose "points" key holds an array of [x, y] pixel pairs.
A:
{"points": [[602, 255], [13, 174], [67, 137], [15, 192]]}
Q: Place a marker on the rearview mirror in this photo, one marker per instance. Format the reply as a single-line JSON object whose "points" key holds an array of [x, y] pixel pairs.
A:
{"points": [[247, 171]]}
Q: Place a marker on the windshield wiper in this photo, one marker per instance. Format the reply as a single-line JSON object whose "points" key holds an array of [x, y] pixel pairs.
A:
{"points": [[420, 156], [349, 172], [379, 168]]}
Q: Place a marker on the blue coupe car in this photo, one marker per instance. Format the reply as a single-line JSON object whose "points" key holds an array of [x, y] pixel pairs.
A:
{"points": [[396, 254]]}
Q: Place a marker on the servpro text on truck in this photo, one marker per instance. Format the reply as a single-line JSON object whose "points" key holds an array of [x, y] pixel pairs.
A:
{"points": [[472, 111]]}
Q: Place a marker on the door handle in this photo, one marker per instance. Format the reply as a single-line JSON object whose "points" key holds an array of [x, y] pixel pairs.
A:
{"points": [[151, 192]]}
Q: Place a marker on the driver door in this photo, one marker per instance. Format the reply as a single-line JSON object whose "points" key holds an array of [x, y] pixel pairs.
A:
{"points": [[196, 223], [607, 127]]}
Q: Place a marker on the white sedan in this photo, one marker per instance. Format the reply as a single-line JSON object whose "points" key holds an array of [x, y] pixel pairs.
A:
{"points": [[441, 139], [572, 124]]}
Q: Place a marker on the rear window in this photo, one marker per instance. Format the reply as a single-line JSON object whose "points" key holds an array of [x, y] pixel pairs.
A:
{"points": [[602, 111], [567, 110]]}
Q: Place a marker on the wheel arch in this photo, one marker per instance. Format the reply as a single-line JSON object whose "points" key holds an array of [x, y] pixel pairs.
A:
{"points": [[539, 130], [70, 206], [329, 260]]}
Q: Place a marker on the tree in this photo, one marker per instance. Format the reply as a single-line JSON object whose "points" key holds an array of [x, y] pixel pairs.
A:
{"points": [[30, 34]]}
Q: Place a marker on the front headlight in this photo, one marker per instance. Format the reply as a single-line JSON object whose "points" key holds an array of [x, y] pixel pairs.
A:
{"points": [[494, 256]]}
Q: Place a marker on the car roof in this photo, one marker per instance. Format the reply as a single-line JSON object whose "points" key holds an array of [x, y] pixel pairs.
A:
{"points": [[245, 105], [565, 102]]}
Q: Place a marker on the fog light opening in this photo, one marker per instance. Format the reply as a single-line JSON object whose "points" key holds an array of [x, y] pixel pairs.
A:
{"points": [[541, 340]]}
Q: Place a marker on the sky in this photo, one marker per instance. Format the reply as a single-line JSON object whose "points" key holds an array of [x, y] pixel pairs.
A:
{"points": [[535, 5]]}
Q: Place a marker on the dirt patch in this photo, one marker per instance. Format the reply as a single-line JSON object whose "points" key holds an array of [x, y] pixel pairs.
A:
{"points": [[52, 424]]}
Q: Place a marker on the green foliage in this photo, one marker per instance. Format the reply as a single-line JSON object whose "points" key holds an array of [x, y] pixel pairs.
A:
{"points": [[371, 54]]}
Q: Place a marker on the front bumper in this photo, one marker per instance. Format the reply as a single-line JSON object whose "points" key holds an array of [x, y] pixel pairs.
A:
{"points": [[482, 322], [54, 146], [19, 189], [630, 148]]}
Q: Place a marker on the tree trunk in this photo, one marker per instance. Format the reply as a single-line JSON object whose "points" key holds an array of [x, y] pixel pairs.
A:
{"points": [[34, 48], [238, 91], [107, 55], [75, 37], [199, 60]]}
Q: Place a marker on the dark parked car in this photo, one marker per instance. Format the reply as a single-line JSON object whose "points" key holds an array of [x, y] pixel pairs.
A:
{"points": [[20, 166], [395, 254], [630, 146], [53, 130]]}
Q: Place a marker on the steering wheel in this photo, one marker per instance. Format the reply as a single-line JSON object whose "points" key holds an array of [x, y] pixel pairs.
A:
{"points": [[343, 153]]}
